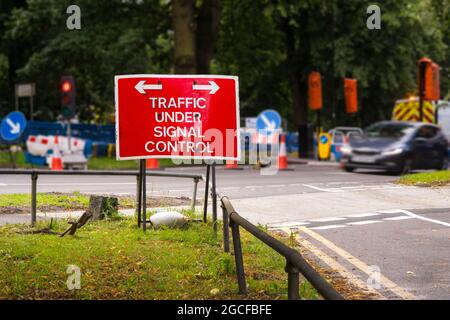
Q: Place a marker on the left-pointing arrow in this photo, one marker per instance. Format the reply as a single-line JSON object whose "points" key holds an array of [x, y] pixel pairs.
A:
{"points": [[141, 87], [15, 127]]}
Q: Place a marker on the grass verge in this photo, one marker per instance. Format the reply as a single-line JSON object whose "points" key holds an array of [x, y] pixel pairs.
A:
{"points": [[54, 201], [427, 179], [118, 261]]}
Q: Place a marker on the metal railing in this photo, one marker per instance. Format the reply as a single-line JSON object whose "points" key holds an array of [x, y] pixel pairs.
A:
{"points": [[295, 263], [34, 173]]}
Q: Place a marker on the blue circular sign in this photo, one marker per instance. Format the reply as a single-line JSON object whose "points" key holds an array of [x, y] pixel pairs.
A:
{"points": [[269, 120], [12, 126], [323, 139]]}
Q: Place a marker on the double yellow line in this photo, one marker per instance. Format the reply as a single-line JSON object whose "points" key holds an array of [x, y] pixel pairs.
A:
{"points": [[385, 282]]}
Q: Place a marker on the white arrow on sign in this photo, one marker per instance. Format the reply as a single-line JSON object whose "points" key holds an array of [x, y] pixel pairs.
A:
{"points": [[141, 87], [270, 124], [15, 127], [212, 87]]}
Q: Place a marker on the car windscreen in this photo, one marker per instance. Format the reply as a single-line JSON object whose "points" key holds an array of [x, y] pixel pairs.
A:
{"points": [[388, 130]]}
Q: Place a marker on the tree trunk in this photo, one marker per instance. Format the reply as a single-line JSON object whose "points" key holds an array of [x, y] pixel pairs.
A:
{"points": [[184, 30], [299, 85], [207, 28]]}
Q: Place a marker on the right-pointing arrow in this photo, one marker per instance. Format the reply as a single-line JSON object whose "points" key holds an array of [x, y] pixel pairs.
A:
{"points": [[212, 87], [141, 87]]}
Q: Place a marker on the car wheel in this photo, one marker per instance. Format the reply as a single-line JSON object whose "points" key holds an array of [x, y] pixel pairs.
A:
{"points": [[444, 163], [407, 167], [349, 169]]}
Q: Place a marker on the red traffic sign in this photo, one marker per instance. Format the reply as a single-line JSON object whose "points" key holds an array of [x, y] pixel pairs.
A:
{"points": [[177, 117]]}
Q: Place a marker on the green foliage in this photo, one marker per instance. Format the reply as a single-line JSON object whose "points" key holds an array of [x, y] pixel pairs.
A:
{"points": [[435, 178], [272, 45]]}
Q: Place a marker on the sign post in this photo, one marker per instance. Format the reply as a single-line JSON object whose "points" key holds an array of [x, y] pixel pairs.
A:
{"points": [[183, 117], [25, 90]]}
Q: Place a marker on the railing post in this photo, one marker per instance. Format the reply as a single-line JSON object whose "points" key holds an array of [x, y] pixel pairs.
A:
{"points": [[238, 258], [205, 204], [34, 177], [293, 281], [194, 196], [214, 197], [226, 230]]}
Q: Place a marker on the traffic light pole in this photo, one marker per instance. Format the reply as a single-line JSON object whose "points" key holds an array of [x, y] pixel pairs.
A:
{"points": [[421, 88]]}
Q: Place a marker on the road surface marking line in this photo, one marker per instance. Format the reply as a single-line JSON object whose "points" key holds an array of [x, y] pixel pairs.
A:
{"points": [[360, 223], [328, 219], [286, 225], [3, 185], [425, 219], [332, 226], [333, 264], [276, 185], [390, 211], [363, 215], [316, 188], [399, 218], [388, 284]]}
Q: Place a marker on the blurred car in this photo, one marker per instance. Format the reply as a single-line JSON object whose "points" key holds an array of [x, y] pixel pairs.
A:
{"points": [[339, 136], [397, 147]]}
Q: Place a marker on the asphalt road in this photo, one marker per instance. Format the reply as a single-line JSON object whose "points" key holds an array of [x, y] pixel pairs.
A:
{"points": [[237, 184], [401, 254]]}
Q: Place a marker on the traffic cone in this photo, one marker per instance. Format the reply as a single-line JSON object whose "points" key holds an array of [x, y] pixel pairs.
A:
{"points": [[56, 163], [282, 157], [232, 165], [152, 164]]}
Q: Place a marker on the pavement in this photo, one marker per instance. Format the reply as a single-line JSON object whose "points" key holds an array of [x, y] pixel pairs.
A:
{"points": [[388, 239]]}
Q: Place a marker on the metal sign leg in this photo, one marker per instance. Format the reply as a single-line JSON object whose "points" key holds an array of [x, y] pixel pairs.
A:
{"points": [[144, 196], [139, 194]]}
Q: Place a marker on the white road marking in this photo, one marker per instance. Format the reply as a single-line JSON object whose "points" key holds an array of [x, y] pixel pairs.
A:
{"points": [[363, 215], [360, 223], [390, 211], [327, 219], [353, 188], [3, 185], [332, 226], [287, 225], [425, 219], [399, 218]]}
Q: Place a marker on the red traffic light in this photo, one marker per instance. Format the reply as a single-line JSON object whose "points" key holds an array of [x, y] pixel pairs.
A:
{"points": [[66, 86]]}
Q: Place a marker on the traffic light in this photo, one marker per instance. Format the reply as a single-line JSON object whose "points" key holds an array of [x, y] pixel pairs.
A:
{"points": [[429, 79], [351, 95], [68, 93], [315, 91]]}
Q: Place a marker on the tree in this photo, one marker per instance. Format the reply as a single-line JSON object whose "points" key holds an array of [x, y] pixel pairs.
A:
{"points": [[116, 37], [195, 26]]}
